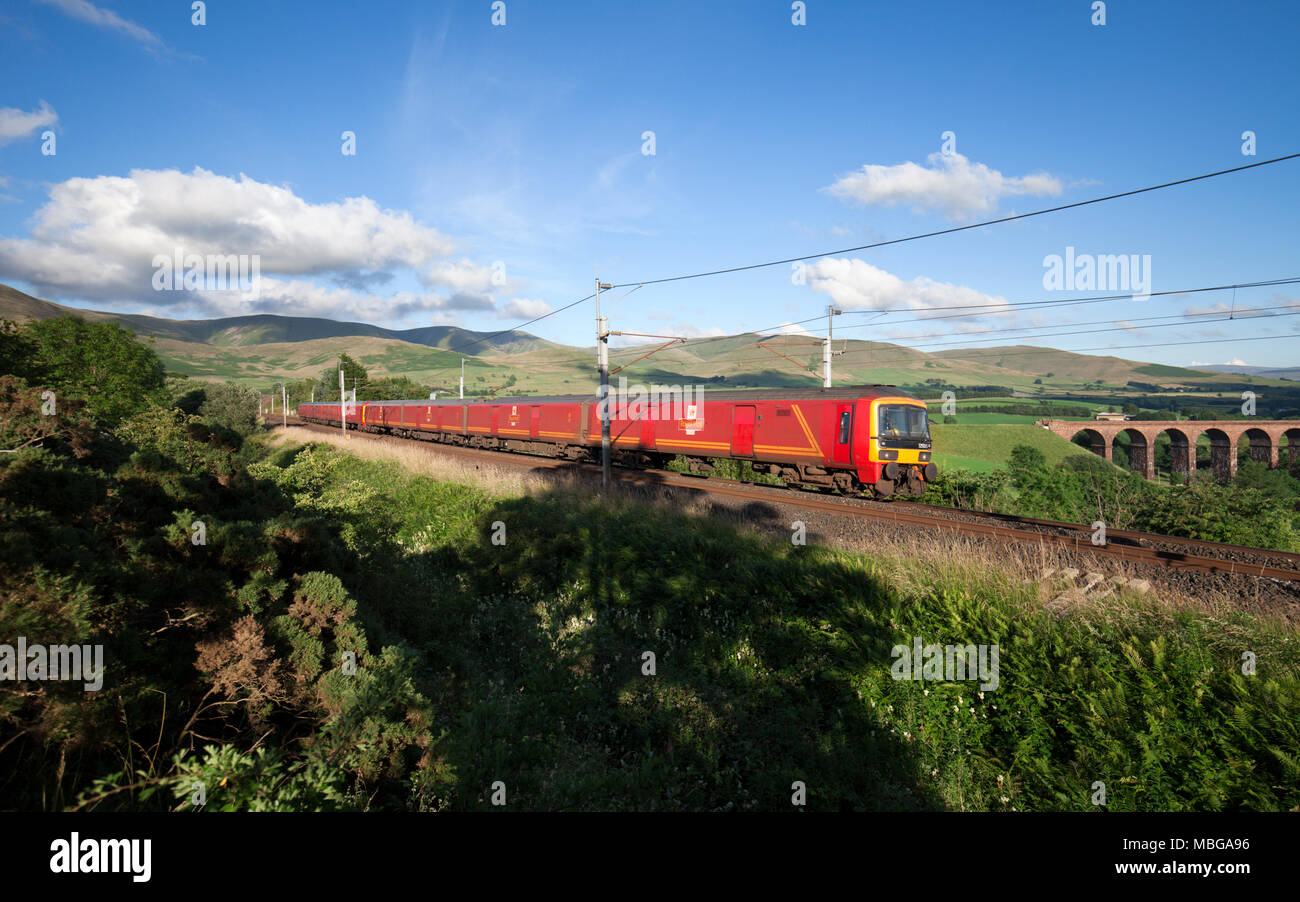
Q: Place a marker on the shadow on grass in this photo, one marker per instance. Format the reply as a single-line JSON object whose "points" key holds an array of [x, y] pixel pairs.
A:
{"points": [[622, 657]]}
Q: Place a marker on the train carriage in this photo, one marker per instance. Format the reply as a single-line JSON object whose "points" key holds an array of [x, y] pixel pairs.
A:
{"points": [[872, 438]]}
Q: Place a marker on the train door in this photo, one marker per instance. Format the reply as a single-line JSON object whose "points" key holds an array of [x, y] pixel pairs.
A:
{"points": [[535, 421], [841, 448], [742, 430], [647, 431]]}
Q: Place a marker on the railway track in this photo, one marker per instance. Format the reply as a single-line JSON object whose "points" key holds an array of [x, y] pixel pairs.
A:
{"points": [[1127, 546]]}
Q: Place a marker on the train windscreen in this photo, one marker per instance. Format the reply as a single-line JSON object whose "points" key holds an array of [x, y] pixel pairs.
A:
{"points": [[899, 421]]}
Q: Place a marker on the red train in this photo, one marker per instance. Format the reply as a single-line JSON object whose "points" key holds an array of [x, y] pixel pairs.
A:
{"points": [[860, 438]]}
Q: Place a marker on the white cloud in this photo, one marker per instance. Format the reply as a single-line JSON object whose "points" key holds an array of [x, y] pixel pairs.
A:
{"points": [[1131, 327], [1220, 309], [97, 237], [786, 329], [1236, 361], [857, 285], [15, 123], [950, 183], [1206, 311], [299, 297], [106, 18], [525, 308], [464, 275], [690, 330], [675, 329]]}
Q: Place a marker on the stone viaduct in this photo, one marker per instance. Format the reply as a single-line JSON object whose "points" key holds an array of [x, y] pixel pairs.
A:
{"points": [[1264, 436]]}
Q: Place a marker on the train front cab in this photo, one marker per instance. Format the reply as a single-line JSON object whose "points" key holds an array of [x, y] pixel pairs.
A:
{"points": [[892, 445]]}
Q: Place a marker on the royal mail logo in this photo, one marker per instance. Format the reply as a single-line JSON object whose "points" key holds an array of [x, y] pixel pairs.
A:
{"points": [[693, 422]]}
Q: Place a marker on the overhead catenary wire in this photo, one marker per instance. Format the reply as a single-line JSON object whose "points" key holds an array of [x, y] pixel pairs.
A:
{"points": [[1008, 306], [1015, 305], [903, 351], [635, 285], [1252, 314], [962, 228], [975, 355]]}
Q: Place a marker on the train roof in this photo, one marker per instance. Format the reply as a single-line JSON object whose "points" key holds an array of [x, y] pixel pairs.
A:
{"points": [[847, 392]]}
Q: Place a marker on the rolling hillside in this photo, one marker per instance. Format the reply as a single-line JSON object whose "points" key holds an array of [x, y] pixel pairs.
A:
{"points": [[984, 447], [260, 329], [264, 348]]}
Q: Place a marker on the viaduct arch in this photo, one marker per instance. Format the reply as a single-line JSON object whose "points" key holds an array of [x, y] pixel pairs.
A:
{"points": [[1264, 437]]}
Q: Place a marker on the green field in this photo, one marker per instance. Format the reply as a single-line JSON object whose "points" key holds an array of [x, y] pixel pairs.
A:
{"points": [[984, 419], [986, 447]]}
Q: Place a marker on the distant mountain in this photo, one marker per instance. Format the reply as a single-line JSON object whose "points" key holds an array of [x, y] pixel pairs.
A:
{"points": [[1270, 372], [260, 350], [266, 328]]}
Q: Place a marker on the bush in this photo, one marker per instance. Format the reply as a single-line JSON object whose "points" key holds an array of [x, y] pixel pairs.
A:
{"points": [[230, 406]]}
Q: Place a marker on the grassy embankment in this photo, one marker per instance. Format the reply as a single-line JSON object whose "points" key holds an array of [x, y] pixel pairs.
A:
{"points": [[985, 447], [773, 661]]}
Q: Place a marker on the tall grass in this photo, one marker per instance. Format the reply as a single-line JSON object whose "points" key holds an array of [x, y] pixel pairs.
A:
{"points": [[772, 662]]}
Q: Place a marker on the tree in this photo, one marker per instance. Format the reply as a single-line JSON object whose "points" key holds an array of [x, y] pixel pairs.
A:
{"points": [[230, 405], [101, 363], [327, 387], [15, 349], [1025, 458], [391, 388]]}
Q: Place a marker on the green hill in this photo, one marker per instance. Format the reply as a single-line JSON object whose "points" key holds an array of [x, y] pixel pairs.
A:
{"points": [[267, 328], [985, 447], [263, 348]]}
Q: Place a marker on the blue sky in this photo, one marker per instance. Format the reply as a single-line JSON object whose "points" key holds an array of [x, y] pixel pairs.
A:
{"points": [[520, 147]]}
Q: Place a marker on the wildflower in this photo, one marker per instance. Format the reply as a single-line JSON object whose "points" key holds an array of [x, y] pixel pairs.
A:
{"points": [[1005, 800]]}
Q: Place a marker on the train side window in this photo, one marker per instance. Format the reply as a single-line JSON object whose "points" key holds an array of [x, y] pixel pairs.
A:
{"points": [[844, 428]]}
